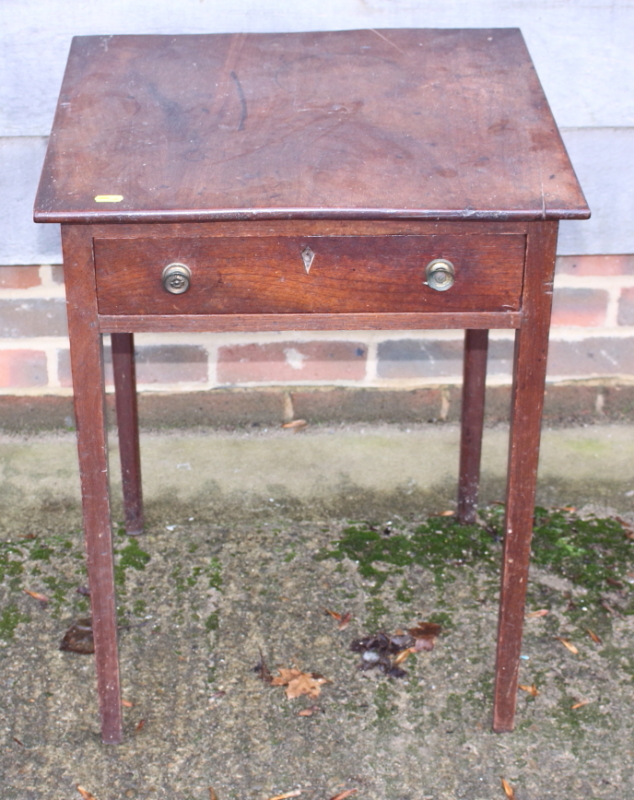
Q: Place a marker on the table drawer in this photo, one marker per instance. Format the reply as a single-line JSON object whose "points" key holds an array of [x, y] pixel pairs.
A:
{"points": [[309, 274]]}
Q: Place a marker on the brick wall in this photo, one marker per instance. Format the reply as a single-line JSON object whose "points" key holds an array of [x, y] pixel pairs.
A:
{"points": [[592, 337]]}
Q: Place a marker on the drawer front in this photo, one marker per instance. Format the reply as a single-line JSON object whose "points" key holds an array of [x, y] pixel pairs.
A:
{"points": [[310, 274]]}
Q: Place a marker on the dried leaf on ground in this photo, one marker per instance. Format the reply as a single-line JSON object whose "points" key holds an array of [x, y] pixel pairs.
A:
{"points": [[294, 793], [532, 689], [508, 789], [542, 612], [212, 793], [386, 651], [378, 651], [342, 619], [403, 655], [262, 670], [580, 704], [43, 599], [627, 528], [298, 683], [308, 712], [127, 704], [595, 638], [425, 634], [344, 794], [85, 793], [425, 629], [345, 621], [295, 424], [569, 645], [78, 638], [139, 726]]}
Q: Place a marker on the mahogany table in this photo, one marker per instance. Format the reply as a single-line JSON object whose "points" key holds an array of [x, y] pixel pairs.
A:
{"points": [[356, 180]]}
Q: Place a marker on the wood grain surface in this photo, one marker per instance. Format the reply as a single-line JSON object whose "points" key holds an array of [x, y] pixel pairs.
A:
{"points": [[267, 275], [86, 355], [476, 348], [421, 123], [124, 373], [529, 376], [430, 320]]}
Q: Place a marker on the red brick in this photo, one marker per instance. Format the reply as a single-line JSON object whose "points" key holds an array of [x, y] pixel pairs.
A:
{"points": [[437, 358], [19, 277], [172, 363], [229, 408], [596, 356], [292, 362], [154, 364], [571, 402], [367, 405], [36, 317], [217, 408], [618, 402], [626, 307], [585, 307], [596, 265], [21, 369], [20, 414]]}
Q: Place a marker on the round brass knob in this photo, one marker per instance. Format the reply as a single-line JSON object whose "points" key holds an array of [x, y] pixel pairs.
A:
{"points": [[440, 274], [176, 278]]}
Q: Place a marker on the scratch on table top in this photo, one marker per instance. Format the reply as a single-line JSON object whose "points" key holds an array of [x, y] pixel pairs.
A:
{"points": [[380, 35], [243, 100]]}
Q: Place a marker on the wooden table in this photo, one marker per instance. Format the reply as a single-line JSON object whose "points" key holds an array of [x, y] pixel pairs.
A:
{"points": [[357, 180]]}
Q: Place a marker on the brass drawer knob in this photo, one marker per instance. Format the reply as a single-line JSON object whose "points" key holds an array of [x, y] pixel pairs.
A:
{"points": [[176, 278], [440, 274]]}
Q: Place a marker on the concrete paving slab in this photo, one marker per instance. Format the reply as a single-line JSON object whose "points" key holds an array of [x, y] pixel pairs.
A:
{"points": [[340, 471], [236, 570]]}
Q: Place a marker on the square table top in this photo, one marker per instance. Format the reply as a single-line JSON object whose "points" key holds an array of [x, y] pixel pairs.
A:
{"points": [[367, 124]]}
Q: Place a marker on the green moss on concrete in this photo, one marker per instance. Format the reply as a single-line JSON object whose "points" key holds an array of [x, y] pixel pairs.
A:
{"points": [[376, 613], [58, 591], [593, 554], [133, 556], [437, 544], [384, 704], [10, 618], [404, 593], [212, 623], [129, 557], [41, 552], [10, 567], [214, 573]]}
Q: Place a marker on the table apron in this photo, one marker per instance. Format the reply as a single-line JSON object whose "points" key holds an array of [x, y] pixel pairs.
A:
{"points": [[219, 323]]}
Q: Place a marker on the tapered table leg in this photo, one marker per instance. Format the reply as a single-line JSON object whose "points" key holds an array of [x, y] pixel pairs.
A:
{"points": [[476, 347], [128, 426], [86, 354], [529, 374]]}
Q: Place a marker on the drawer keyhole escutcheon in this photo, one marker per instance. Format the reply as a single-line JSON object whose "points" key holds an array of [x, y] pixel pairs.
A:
{"points": [[440, 274], [308, 257], [176, 278]]}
